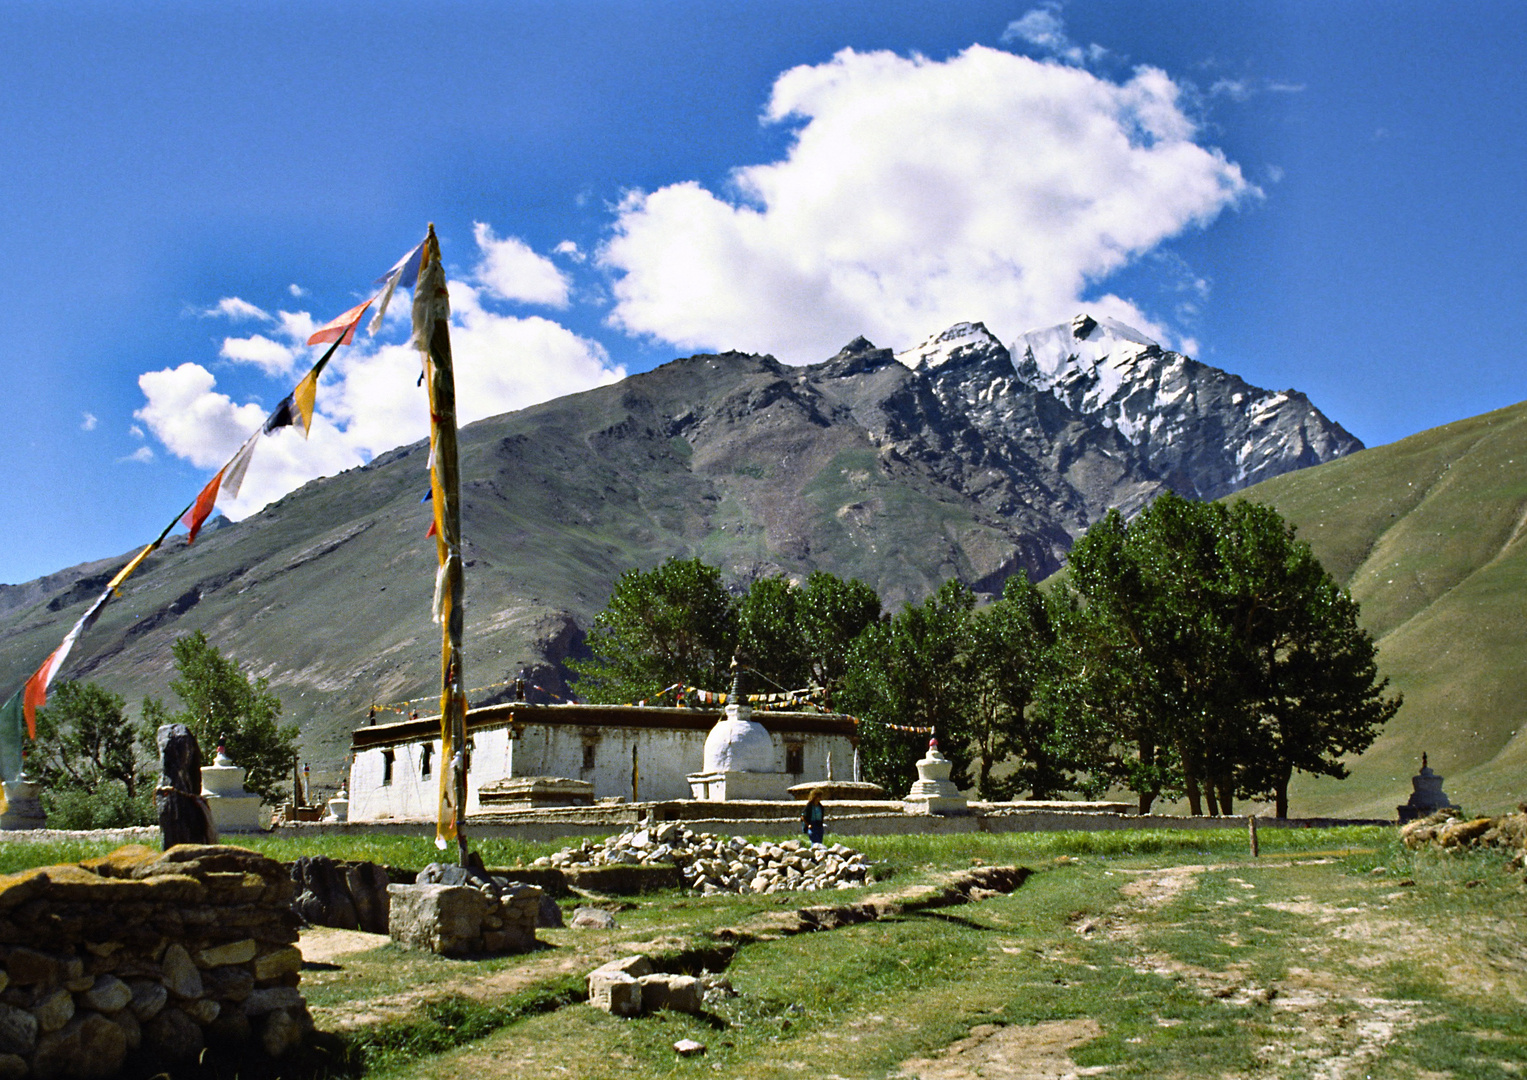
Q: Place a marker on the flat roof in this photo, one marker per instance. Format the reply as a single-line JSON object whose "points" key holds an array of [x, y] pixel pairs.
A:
{"points": [[514, 713]]}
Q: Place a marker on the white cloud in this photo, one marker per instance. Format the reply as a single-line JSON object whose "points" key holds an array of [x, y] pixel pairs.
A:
{"points": [[142, 456], [570, 250], [296, 290], [136, 432], [231, 307], [89, 422], [919, 193], [193, 421], [269, 356], [509, 270], [368, 401], [1045, 30]]}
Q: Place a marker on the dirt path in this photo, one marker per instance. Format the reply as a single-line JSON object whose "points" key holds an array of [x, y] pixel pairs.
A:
{"points": [[992, 1052]]}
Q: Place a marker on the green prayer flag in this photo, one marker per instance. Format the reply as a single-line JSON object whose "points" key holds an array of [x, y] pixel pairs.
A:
{"points": [[12, 736]]}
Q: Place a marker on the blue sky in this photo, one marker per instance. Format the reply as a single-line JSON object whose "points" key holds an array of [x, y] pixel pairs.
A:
{"points": [[1321, 196]]}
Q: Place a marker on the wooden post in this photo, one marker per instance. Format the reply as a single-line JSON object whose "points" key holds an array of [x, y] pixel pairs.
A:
{"points": [[1251, 828], [432, 336]]}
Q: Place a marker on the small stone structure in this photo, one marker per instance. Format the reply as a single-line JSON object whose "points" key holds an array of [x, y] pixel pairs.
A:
{"points": [[841, 791], [234, 810], [630, 987], [457, 911], [339, 807], [23, 809], [147, 957], [1426, 797], [933, 793], [534, 792]]}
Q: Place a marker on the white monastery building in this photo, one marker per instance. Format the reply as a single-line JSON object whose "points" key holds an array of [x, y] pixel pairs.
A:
{"points": [[395, 772]]}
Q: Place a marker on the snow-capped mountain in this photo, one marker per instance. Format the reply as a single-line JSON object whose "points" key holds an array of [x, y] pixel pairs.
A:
{"points": [[1202, 431]]}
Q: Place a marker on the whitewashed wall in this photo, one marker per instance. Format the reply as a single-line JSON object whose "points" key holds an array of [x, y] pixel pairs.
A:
{"points": [[665, 757]]}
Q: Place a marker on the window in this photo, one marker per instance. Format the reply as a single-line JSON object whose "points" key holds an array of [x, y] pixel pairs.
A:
{"points": [[387, 759], [795, 758], [426, 754], [588, 755]]}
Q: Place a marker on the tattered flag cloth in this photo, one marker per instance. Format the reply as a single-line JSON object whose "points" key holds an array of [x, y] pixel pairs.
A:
{"points": [[196, 516], [342, 329], [404, 272], [36, 690]]}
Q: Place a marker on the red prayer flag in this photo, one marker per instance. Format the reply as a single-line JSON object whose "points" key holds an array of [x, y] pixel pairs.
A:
{"points": [[202, 507], [37, 690], [341, 329]]}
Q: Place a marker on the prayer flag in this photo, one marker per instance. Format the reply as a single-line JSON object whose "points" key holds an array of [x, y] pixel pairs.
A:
{"points": [[283, 415], [305, 396], [341, 329], [404, 272], [233, 472], [196, 516]]}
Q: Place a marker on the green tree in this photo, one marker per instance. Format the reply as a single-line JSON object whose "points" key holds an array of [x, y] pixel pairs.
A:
{"points": [[1007, 653], [831, 614], [92, 775], [910, 672], [1312, 671], [1207, 630], [769, 637], [221, 705], [674, 624]]}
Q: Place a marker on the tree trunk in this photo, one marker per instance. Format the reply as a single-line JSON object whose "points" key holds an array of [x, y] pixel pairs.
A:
{"points": [[1211, 799], [1226, 803], [1280, 794], [1146, 798], [1195, 804]]}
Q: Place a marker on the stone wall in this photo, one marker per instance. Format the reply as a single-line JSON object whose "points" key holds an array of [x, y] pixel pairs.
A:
{"points": [[143, 957]]}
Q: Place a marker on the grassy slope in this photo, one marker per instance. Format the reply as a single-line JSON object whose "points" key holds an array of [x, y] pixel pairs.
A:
{"points": [[1428, 533]]}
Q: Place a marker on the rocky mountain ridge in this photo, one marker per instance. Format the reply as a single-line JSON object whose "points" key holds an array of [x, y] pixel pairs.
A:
{"points": [[901, 470]]}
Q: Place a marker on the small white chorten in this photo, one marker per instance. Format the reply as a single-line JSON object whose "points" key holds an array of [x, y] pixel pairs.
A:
{"points": [[233, 809], [23, 808], [934, 793]]}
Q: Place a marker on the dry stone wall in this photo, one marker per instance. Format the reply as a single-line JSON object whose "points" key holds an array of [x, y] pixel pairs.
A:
{"points": [[147, 957]]}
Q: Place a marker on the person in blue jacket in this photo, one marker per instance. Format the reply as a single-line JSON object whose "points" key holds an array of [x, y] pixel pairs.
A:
{"points": [[814, 817]]}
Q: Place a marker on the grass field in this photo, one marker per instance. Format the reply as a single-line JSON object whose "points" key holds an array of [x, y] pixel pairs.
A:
{"points": [[1336, 953]]}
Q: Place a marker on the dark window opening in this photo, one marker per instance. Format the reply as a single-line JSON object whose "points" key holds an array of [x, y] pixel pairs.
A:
{"points": [[795, 759], [426, 755], [387, 759], [588, 755]]}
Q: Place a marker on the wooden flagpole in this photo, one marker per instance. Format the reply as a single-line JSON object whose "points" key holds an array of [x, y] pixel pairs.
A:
{"points": [[432, 336]]}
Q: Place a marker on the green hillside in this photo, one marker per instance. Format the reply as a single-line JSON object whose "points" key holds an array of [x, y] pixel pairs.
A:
{"points": [[1428, 533]]}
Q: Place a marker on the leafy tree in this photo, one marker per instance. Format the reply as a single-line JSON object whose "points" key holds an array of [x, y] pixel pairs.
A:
{"points": [[92, 775], [1007, 653], [831, 614], [769, 636], [674, 624], [1312, 672], [910, 671], [221, 705], [1209, 631]]}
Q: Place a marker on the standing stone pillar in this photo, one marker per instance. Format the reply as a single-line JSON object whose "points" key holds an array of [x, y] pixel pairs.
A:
{"points": [[184, 817]]}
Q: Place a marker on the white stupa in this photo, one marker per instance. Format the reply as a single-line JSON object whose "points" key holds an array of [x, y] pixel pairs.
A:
{"points": [[741, 761], [934, 793], [233, 809]]}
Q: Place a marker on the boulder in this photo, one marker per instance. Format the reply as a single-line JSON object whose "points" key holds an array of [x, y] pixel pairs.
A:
{"points": [[615, 992], [676, 993]]}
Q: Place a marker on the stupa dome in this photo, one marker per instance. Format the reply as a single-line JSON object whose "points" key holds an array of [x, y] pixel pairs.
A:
{"points": [[738, 745]]}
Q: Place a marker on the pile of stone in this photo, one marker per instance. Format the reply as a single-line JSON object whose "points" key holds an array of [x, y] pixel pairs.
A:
{"points": [[457, 911], [720, 864], [1448, 831], [147, 956]]}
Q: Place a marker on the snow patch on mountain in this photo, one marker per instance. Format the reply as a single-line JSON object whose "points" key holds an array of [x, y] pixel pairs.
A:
{"points": [[962, 341]]}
